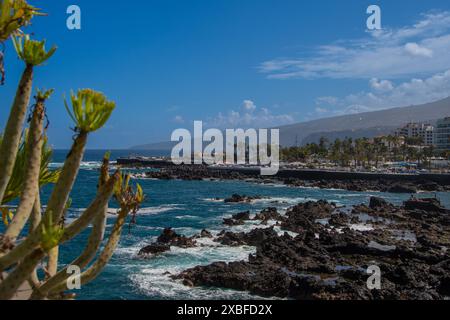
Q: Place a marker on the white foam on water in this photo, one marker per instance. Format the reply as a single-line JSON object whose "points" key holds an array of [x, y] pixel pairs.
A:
{"points": [[144, 227], [89, 165], [212, 200], [156, 281], [281, 232], [252, 225], [151, 277], [187, 231], [112, 212], [354, 195], [186, 217], [159, 209], [131, 252], [211, 251], [55, 165], [271, 184]]}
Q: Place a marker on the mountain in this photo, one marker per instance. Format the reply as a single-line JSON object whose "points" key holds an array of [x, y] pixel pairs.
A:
{"points": [[368, 124], [363, 124]]}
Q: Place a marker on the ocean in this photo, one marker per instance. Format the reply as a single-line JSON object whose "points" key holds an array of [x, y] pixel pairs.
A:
{"points": [[188, 207]]}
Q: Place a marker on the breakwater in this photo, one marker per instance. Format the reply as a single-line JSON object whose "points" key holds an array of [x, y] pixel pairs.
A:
{"points": [[302, 174]]}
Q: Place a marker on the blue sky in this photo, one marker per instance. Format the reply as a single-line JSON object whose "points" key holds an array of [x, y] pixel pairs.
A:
{"points": [[233, 63]]}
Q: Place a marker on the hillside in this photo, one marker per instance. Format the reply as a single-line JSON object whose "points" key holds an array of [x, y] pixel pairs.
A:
{"points": [[382, 122], [366, 124]]}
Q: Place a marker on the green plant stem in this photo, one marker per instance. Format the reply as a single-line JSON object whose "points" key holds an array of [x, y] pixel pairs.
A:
{"points": [[32, 170], [53, 257], [16, 278], [92, 246], [35, 220], [69, 172], [94, 270], [36, 215], [90, 213], [13, 129], [33, 240], [57, 201]]}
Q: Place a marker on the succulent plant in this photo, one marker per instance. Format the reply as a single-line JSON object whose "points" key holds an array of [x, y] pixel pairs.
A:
{"points": [[15, 14], [24, 161]]}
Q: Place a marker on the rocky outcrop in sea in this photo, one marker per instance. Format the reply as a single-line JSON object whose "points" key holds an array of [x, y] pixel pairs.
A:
{"points": [[324, 252]]}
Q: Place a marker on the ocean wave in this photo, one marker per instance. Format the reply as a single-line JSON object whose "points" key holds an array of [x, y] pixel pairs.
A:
{"points": [[86, 165], [353, 195], [112, 212], [186, 217], [156, 282], [213, 200], [159, 209], [252, 225], [154, 278]]}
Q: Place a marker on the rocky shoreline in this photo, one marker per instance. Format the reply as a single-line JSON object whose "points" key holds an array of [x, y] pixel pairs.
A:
{"points": [[199, 172], [324, 252]]}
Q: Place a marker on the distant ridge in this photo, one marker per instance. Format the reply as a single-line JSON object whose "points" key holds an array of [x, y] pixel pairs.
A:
{"points": [[367, 124], [383, 121]]}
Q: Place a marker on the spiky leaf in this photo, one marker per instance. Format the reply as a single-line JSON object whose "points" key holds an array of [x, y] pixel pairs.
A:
{"points": [[32, 52], [15, 14], [16, 182], [90, 109]]}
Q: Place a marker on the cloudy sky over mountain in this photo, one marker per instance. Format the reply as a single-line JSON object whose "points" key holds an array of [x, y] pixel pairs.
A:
{"points": [[233, 63], [384, 58]]}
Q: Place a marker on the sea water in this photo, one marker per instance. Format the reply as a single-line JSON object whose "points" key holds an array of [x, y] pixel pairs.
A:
{"points": [[188, 207]]}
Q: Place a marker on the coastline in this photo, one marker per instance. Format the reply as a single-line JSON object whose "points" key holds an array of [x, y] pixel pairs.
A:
{"points": [[319, 251], [301, 178], [283, 173], [191, 200]]}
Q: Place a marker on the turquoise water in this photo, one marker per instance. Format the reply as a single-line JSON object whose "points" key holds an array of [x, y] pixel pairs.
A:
{"points": [[188, 207]]}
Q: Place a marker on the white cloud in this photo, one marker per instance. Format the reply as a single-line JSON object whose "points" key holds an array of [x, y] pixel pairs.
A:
{"points": [[385, 54], [249, 105], [416, 50], [178, 119], [326, 100], [385, 94], [321, 110], [250, 116], [383, 85]]}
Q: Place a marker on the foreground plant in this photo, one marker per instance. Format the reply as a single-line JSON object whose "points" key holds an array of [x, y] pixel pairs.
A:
{"points": [[33, 54], [14, 14], [32, 235]]}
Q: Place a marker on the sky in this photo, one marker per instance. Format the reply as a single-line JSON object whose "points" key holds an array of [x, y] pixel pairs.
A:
{"points": [[234, 63]]}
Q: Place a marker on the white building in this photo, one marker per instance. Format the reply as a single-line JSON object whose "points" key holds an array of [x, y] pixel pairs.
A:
{"points": [[414, 130]]}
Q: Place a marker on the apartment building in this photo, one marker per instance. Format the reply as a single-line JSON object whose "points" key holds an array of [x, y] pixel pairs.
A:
{"points": [[414, 130], [442, 134]]}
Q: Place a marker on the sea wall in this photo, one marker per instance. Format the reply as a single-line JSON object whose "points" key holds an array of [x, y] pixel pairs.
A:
{"points": [[303, 174], [340, 175]]}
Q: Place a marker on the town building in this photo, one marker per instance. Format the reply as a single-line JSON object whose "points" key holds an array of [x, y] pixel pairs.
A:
{"points": [[442, 134], [415, 130]]}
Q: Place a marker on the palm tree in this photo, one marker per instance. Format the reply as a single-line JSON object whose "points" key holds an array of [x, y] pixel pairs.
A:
{"points": [[335, 154]]}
